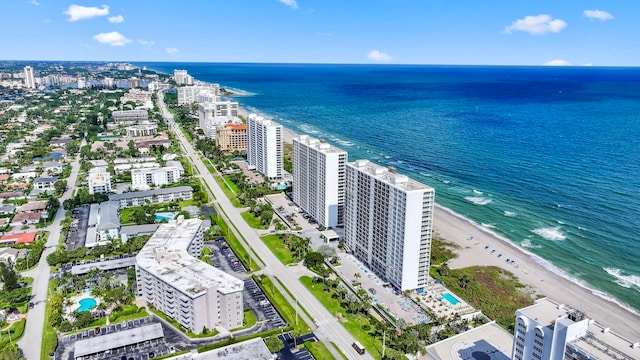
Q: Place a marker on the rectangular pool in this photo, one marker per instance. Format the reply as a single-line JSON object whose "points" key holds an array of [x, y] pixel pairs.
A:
{"points": [[450, 298]]}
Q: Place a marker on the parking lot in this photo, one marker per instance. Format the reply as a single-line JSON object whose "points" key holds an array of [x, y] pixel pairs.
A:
{"points": [[265, 312], [223, 258], [141, 351], [290, 352], [78, 228]]}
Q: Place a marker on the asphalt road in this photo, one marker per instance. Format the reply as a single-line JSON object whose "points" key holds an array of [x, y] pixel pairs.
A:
{"points": [[329, 329], [31, 342]]}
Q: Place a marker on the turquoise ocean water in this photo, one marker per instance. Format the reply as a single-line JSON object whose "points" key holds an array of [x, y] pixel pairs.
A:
{"points": [[546, 157]]}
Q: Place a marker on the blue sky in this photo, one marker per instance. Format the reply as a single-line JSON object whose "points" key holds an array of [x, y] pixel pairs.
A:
{"points": [[483, 32]]}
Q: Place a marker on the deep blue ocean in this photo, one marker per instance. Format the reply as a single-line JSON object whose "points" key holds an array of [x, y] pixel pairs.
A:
{"points": [[547, 157]]}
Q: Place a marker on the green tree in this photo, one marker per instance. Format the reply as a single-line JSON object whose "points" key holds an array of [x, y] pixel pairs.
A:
{"points": [[274, 344], [314, 259], [10, 278], [11, 352]]}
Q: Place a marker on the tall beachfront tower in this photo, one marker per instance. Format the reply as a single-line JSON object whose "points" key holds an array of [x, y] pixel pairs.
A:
{"points": [[388, 222], [319, 180], [181, 77], [29, 79], [264, 146]]}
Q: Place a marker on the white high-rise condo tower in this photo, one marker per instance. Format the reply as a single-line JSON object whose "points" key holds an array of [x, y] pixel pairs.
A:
{"points": [[29, 79], [264, 146], [388, 222], [319, 180]]}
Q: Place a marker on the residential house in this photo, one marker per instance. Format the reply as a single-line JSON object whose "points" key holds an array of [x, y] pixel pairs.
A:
{"points": [[22, 238], [44, 183], [52, 167], [22, 219], [6, 209]]}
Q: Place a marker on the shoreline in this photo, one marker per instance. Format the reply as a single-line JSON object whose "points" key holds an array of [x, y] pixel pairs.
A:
{"points": [[530, 271], [540, 276]]}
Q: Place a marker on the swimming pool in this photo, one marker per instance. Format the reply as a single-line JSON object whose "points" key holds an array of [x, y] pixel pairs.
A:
{"points": [[281, 187], [450, 298], [162, 216], [87, 304]]}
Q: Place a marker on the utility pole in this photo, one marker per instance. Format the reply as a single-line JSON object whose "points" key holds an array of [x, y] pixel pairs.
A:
{"points": [[384, 337]]}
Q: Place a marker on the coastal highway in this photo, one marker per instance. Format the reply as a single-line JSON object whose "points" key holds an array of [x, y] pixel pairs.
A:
{"points": [[31, 342], [329, 328]]}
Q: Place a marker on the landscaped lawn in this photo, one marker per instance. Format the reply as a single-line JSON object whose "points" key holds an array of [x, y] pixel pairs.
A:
{"points": [[318, 350], [232, 197], [274, 242], [352, 322], [248, 321], [253, 221], [49, 337], [231, 184]]}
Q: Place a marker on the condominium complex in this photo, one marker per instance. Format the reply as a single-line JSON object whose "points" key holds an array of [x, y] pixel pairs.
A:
{"points": [[319, 180], [190, 94], [158, 196], [232, 137], [388, 222], [29, 79], [143, 129], [264, 146], [130, 115], [172, 278], [216, 112], [99, 181], [552, 331], [182, 77], [146, 178]]}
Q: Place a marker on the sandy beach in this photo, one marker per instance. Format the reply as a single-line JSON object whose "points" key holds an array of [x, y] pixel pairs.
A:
{"points": [[529, 269], [473, 240]]}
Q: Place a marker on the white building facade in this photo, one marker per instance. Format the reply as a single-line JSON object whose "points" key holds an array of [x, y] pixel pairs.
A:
{"points": [[144, 179], [216, 112], [182, 77], [388, 222], [264, 146], [190, 94], [29, 79], [319, 180], [99, 181], [172, 278]]}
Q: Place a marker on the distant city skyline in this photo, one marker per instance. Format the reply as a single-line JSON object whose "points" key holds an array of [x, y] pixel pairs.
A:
{"points": [[302, 31]]}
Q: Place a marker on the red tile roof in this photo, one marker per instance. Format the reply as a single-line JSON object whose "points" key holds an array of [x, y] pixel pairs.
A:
{"points": [[24, 238]]}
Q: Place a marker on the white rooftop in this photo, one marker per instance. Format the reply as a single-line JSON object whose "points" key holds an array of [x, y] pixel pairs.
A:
{"points": [[317, 144], [98, 344], [388, 176], [165, 255]]}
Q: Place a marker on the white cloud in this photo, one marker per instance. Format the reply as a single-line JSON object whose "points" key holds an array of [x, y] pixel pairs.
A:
{"points": [[146, 42], [557, 62], [290, 3], [587, 64], [78, 12], [597, 14], [536, 25], [171, 50], [116, 19], [380, 56], [33, 2], [113, 38]]}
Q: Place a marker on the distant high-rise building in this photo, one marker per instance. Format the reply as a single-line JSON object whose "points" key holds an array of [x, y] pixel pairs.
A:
{"points": [[388, 221], [29, 79], [264, 146], [319, 180], [181, 77]]}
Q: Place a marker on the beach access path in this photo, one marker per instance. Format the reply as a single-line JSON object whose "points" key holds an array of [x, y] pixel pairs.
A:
{"points": [[472, 240]]}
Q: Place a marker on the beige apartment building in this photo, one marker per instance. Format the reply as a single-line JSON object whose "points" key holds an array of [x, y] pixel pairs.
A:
{"points": [[232, 137]]}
